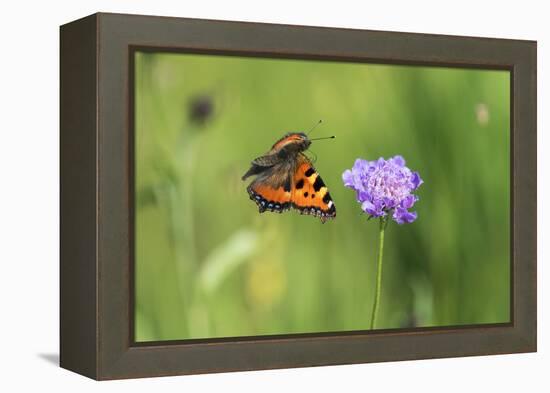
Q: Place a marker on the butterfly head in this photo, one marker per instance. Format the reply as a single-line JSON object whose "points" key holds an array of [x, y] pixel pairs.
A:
{"points": [[293, 141]]}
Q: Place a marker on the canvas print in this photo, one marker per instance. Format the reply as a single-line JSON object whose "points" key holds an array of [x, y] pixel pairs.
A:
{"points": [[288, 196]]}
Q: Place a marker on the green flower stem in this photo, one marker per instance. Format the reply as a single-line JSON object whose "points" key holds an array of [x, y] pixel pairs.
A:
{"points": [[383, 223]]}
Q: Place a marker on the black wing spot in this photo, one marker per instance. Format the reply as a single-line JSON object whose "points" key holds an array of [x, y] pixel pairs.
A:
{"points": [[318, 183], [327, 198], [312, 196], [306, 194], [300, 184], [310, 172]]}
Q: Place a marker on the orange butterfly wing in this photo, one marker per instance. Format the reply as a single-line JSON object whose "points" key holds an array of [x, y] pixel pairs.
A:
{"points": [[309, 193], [270, 198], [304, 190]]}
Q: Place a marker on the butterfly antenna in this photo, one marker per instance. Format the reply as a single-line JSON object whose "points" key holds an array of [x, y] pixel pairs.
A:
{"points": [[314, 127], [326, 137]]}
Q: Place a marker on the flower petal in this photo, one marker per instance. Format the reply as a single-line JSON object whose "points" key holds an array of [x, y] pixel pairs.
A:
{"points": [[362, 196], [398, 160], [389, 203], [347, 177], [408, 201], [403, 216], [368, 207], [360, 165], [416, 180], [372, 209]]}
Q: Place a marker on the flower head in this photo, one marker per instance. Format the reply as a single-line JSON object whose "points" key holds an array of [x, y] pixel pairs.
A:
{"points": [[200, 109], [383, 187]]}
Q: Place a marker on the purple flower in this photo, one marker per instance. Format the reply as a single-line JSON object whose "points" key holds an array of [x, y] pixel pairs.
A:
{"points": [[384, 187]]}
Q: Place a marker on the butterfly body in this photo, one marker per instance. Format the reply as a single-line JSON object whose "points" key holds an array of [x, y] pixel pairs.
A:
{"points": [[286, 179]]}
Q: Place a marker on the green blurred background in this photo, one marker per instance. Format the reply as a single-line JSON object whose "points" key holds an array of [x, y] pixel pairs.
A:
{"points": [[208, 265]]}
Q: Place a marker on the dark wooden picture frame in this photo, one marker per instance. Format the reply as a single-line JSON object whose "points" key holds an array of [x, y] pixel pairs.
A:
{"points": [[97, 196]]}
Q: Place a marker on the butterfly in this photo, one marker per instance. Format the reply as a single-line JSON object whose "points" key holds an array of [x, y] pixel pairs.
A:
{"points": [[286, 178]]}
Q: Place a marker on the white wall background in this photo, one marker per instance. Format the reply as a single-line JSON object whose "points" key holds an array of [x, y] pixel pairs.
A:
{"points": [[29, 193]]}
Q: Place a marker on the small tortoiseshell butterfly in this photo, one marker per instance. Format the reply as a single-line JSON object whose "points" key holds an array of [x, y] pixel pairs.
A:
{"points": [[286, 179]]}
